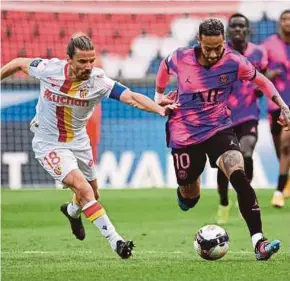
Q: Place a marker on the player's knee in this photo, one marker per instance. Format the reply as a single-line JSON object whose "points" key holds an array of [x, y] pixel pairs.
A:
{"points": [[231, 161], [248, 144], [191, 190]]}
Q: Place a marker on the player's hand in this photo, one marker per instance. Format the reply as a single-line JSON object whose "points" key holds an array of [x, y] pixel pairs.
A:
{"points": [[167, 109], [284, 118], [168, 99]]}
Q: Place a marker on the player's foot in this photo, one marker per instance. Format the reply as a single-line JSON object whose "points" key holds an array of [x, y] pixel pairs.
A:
{"points": [[265, 249], [278, 199], [125, 248], [76, 223], [286, 191], [223, 214]]}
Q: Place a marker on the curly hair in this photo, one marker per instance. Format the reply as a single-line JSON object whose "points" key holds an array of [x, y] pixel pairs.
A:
{"points": [[211, 27]]}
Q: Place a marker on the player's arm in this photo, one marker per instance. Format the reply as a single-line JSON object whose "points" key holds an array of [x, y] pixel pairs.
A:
{"points": [[18, 64], [167, 67], [268, 88], [144, 103], [248, 72]]}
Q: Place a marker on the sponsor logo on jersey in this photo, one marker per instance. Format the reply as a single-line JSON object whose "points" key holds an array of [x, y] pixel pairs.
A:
{"points": [[66, 100], [84, 93]]}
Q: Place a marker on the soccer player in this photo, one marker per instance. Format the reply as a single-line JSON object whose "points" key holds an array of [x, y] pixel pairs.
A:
{"points": [[202, 125], [243, 105], [278, 50], [70, 89]]}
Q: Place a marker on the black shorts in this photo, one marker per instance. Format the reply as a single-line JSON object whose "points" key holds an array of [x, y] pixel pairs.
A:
{"points": [[189, 162], [273, 117], [247, 128]]}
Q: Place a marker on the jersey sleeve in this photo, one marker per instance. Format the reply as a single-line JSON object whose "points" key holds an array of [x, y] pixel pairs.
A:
{"points": [[171, 63], [246, 70], [110, 88], [37, 68]]}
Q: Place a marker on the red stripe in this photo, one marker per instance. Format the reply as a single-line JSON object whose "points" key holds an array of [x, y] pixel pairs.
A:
{"points": [[60, 123], [67, 83], [92, 209]]}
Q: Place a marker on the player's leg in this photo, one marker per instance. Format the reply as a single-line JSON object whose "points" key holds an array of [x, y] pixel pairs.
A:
{"points": [[58, 162], [231, 162], [226, 154], [275, 130], [284, 163], [93, 209], [95, 212], [189, 164], [224, 205], [248, 139]]}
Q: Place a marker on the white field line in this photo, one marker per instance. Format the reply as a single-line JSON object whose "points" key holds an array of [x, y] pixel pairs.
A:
{"points": [[35, 252]]}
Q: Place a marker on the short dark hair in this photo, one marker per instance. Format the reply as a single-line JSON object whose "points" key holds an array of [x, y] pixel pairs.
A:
{"points": [[81, 42], [238, 15], [211, 27], [283, 13]]}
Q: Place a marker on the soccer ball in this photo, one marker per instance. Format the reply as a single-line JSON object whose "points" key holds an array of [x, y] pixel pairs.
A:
{"points": [[211, 242]]}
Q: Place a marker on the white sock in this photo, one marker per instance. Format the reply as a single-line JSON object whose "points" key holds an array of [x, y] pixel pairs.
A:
{"points": [[278, 193], [102, 222], [107, 229], [256, 237], [74, 210]]}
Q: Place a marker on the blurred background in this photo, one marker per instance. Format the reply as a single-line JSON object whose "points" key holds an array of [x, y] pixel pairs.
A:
{"points": [[131, 37]]}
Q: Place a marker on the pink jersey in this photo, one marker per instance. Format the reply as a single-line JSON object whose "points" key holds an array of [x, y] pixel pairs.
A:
{"points": [[243, 99], [203, 94], [279, 58]]}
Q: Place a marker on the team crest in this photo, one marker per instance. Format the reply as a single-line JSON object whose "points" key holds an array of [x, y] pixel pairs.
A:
{"points": [[58, 170], [224, 78], [84, 93], [182, 174]]}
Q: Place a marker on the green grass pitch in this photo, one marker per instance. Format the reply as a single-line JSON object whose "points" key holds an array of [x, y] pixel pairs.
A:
{"points": [[37, 244]]}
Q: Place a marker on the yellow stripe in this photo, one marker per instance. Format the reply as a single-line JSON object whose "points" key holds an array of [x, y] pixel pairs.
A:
{"points": [[68, 123], [74, 89], [96, 215]]}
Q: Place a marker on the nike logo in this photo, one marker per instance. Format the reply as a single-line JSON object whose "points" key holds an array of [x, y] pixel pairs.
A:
{"points": [[187, 80], [232, 142]]}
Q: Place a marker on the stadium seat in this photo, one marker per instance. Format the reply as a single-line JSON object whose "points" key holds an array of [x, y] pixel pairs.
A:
{"points": [[112, 65], [168, 45], [134, 68], [253, 10], [273, 9], [145, 46], [184, 28]]}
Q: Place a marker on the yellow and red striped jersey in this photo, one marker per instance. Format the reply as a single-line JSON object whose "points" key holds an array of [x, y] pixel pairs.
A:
{"points": [[64, 106]]}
